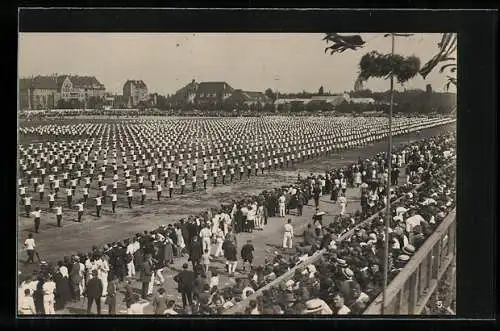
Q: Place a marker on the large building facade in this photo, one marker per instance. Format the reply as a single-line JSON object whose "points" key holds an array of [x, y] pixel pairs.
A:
{"points": [[135, 91], [48, 92], [215, 94]]}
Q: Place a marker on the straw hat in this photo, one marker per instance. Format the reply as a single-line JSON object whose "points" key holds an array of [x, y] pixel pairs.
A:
{"points": [[313, 306], [348, 273], [341, 263], [403, 258], [409, 250]]}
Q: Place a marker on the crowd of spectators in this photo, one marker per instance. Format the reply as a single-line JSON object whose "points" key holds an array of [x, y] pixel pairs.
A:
{"points": [[349, 275]]}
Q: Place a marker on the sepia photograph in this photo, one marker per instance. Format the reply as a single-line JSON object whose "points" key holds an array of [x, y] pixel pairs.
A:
{"points": [[212, 174]]}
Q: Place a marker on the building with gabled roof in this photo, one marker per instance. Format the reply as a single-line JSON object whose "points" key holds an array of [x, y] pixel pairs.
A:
{"points": [[39, 92], [212, 92], [74, 87], [240, 97], [135, 91], [45, 92]]}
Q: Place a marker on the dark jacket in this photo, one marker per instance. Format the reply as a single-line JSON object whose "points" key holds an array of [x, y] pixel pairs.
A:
{"points": [[146, 272], [230, 252], [111, 298], [94, 288], [185, 280], [74, 275], [247, 252], [195, 250], [308, 236], [129, 293]]}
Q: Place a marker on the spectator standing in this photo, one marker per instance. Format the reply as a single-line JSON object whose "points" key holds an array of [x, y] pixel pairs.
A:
{"points": [[29, 245], [94, 292], [288, 234], [247, 254], [185, 281], [159, 302]]}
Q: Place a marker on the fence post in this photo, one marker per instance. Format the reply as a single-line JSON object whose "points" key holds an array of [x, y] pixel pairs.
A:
{"points": [[413, 297]]}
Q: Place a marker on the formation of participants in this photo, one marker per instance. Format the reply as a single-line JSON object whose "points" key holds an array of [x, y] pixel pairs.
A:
{"points": [[83, 166]]}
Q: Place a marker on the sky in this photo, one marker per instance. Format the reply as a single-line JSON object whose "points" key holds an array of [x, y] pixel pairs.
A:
{"points": [[287, 62]]}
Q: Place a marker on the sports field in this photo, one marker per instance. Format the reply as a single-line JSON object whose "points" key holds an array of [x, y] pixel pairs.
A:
{"points": [[54, 243]]}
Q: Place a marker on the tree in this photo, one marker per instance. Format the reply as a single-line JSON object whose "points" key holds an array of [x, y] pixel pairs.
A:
{"points": [[375, 64], [270, 94], [320, 91]]}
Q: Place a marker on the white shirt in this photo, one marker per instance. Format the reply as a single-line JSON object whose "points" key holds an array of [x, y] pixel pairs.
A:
{"points": [[48, 288], [170, 311], [29, 243], [282, 199], [58, 210], [412, 222], [137, 308], [288, 228], [343, 311], [36, 213], [205, 233], [64, 271]]}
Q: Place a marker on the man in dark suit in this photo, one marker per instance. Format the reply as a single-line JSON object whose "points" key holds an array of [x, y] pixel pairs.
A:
{"points": [[94, 292], [195, 251], [75, 277], [146, 272], [185, 281]]}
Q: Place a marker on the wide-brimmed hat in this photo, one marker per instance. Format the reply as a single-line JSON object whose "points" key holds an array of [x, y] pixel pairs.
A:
{"points": [[313, 306], [409, 250], [348, 273], [403, 258], [341, 263]]}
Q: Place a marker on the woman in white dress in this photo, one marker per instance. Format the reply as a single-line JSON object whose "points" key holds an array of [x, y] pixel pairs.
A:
{"points": [[259, 217], [357, 178], [180, 241]]}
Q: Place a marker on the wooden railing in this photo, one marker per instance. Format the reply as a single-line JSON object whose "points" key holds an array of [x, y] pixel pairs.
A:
{"points": [[409, 291]]}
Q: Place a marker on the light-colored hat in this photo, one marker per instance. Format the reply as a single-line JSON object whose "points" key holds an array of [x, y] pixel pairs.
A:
{"points": [[313, 306], [348, 273], [409, 250], [398, 218], [403, 258], [342, 263]]}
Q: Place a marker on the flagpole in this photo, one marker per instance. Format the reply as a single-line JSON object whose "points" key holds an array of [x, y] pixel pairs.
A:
{"points": [[388, 204]]}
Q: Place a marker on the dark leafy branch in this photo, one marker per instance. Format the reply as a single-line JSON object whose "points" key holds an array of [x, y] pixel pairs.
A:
{"points": [[376, 65]]}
